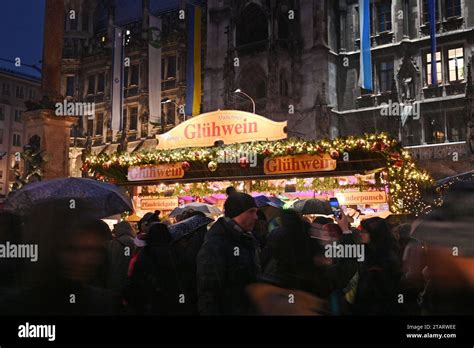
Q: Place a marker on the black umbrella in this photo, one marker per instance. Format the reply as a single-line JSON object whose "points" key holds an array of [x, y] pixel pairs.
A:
{"points": [[263, 201], [312, 206], [88, 198], [185, 227]]}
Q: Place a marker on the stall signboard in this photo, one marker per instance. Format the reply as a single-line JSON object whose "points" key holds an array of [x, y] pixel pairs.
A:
{"points": [[298, 164], [162, 203], [155, 172], [227, 126], [365, 197]]}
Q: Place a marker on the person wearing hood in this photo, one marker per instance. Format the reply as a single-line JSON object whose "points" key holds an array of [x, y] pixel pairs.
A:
{"points": [[299, 259], [162, 279], [228, 260], [379, 276], [119, 251]]}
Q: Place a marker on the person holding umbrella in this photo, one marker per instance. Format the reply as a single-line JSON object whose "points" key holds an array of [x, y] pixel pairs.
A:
{"points": [[62, 217]]}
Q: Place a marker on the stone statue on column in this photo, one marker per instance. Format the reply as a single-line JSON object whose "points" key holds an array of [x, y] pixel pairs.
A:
{"points": [[86, 152]]}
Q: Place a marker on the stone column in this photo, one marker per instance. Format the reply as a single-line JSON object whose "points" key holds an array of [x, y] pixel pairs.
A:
{"points": [[54, 132], [53, 48]]}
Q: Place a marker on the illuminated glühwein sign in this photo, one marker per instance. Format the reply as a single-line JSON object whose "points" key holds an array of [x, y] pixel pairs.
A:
{"points": [[155, 172], [299, 164], [228, 126]]}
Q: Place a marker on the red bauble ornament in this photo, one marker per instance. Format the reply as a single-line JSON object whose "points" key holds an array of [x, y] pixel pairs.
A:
{"points": [[267, 152], [244, 162], [398, 163], [334, 154], [85, 168], [376, 147], [185, 165], [395, 156]]}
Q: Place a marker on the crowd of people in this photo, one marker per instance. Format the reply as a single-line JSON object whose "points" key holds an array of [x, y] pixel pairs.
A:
{"points": [[242, 264]]}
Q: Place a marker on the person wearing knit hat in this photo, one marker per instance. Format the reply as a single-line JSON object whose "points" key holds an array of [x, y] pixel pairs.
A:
{"points": [[237, 206], [228, 260]]}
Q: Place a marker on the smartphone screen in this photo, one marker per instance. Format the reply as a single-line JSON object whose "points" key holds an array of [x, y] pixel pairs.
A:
{"points": [[336, 209]]}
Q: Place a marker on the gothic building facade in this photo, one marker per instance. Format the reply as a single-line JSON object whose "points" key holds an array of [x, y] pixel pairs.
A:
{"points": [[297, 59]]}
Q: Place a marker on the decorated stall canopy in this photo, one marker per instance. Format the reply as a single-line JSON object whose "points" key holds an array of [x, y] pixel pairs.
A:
{"points": [[287, 158], [224, 126]]}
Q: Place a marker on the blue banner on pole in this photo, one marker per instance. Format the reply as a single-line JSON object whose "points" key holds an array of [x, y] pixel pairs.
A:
{"points": [[365, 78], [434, 69]]}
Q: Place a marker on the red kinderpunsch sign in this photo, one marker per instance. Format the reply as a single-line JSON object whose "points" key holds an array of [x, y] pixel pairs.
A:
{"points": [[365, 197], [162, 203]]}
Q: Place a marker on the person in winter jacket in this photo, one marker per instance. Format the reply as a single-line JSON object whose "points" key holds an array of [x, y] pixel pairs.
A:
{"points": [[119, 252], [299, 260], [378, 284], [161, 282], [228, 260]]}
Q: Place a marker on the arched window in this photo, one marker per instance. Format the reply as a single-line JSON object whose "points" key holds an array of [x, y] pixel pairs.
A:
{"points": [[253, 81], [284, 87], [252, 25], [283, 26]]}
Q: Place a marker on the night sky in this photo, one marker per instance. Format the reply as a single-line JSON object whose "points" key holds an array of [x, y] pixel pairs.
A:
{"points": [[21, 33]]}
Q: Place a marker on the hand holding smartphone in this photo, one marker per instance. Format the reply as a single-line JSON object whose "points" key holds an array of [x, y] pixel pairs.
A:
{"points": [[341, 218], [336, 209]]}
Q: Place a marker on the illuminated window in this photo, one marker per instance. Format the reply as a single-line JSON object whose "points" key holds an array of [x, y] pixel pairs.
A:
{"points": [[439, 72], [456, 64]]}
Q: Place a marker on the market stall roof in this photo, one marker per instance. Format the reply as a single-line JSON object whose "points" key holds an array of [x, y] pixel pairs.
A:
{"points": [[461, 177], [283, 159]]}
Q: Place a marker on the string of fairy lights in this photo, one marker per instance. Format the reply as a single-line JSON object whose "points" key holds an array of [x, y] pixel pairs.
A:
{"points": [[406, 181]]}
